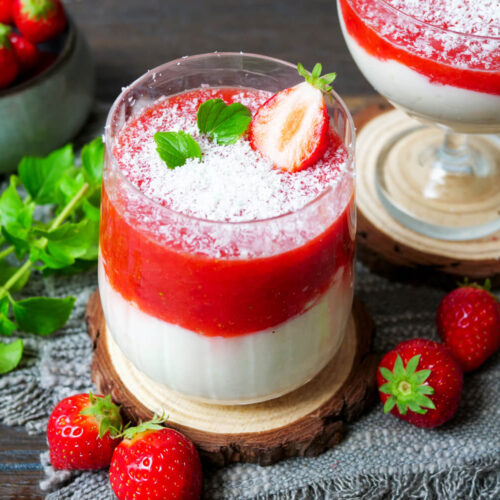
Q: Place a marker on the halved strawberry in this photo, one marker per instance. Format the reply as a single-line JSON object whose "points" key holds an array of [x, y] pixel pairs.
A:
{"points": [[291, 128]]}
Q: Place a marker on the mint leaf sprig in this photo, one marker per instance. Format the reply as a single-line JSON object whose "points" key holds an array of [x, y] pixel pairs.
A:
{"points": [[315, 79], [221, 122], [67, 243], [175, 148]]}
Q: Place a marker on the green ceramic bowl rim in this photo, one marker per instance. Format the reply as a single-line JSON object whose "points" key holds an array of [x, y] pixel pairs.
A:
{"points": [[63, 56]]}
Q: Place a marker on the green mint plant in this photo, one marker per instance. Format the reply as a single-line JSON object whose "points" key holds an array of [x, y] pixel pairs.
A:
{"points": [[68, 243]]}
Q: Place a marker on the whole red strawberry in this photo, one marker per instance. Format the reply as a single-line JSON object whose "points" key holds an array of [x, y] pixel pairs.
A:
{"points": [[80, 432], [9, 67], [468, 321], [155, 463], [419, 381], [39, 20], [27, 53], [6, 11]]}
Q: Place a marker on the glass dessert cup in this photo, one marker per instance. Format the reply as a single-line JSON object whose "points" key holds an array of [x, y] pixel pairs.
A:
{"points": [[441, 181], [225, 312]]}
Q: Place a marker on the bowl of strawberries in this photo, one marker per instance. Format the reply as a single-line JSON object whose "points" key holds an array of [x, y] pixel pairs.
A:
{"points": [[46, 79]]}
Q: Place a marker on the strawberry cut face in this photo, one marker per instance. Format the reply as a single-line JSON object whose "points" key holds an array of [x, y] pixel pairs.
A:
{"points": [[291, 128]]}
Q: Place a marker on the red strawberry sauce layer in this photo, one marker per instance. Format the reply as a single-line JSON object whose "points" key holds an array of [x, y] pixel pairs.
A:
{"points": [[229, 293], [443, 57]]}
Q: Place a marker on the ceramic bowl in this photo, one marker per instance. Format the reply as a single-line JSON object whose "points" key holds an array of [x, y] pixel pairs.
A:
{"points": [[46, 111]]}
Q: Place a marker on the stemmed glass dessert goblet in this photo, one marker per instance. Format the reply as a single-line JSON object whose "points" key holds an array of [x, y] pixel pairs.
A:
{"points": [[438, 61]]}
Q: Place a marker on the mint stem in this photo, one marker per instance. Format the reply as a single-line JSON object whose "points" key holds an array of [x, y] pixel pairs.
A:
{"points": [[6, 252], [66, 211]]}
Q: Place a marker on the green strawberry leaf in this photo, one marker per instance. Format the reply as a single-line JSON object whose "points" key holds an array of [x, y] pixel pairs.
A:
{"points": [[42, 315], [412, 365], [175, 148], [106, 413], [221, 122], [405, 387], [389, 404], [386, 373], [422, 376], [10, 355]]}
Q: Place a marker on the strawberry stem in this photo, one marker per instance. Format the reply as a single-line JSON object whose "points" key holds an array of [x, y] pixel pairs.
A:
{"points": [[38, 9], [406, 387], [315, 79], [154, 424], [106, 413]]}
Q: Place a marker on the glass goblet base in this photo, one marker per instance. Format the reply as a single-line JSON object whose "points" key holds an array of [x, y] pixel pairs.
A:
{"points": [[438, 183]]}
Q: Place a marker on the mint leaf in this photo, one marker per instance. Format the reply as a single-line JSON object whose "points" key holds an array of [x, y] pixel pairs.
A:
{"points": [[93, 160], [11, 204], [78, 266], [6, 325], [221, 122], [91, 211], [6, 271], [42, 315], [41, 176], [10, 355], [69, 242], [175, 148], [16, 218], [68, 188]]}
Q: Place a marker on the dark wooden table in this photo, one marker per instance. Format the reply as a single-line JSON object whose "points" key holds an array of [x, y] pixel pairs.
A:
{"points": [[127, 38]]}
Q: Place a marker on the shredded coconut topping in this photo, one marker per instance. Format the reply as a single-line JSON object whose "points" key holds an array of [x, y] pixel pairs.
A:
{"points": [[471, 17], [231, 183], [450, 44]]}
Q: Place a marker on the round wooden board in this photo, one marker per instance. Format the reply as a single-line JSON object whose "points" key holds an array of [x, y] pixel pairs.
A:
{"points": [[383, 236], [304, 422]]}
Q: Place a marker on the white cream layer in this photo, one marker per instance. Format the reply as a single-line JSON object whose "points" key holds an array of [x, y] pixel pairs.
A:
{"points": [[242, 369], [461, 109]]}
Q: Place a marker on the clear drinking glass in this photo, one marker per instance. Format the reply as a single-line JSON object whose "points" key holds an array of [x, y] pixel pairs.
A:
{"points": [[441, 181], [147, 251]]}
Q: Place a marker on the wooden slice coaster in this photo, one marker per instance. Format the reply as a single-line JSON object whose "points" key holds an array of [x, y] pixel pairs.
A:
{"points": [[383, 235], [304, 422]]}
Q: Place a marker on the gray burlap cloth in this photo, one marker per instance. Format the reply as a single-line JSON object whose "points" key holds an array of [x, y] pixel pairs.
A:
{"points": [[380, 457]]}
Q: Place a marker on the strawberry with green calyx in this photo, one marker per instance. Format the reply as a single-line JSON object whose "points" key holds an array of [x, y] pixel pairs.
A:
{"points": [[419, 381], [468, 321], [291, 129], [39, 20], [9, 67], [154, 463], [83, 431]]}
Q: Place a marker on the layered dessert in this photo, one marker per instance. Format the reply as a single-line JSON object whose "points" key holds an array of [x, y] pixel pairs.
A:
{"points": [[227, 279], [437, 59]]}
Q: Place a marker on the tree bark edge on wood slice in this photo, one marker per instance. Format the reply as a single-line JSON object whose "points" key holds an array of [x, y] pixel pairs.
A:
{"points": [[320, 429]]}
